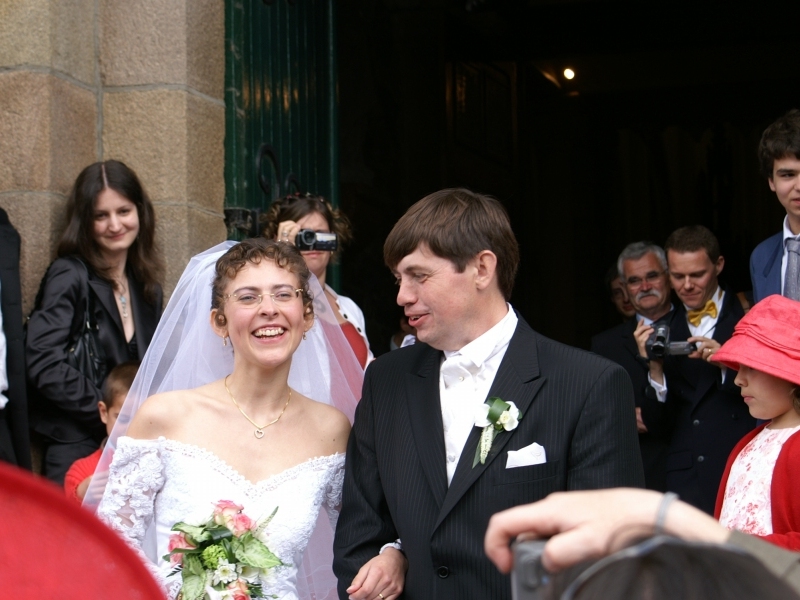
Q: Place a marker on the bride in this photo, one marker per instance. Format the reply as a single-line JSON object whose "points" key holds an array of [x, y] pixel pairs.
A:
{"points": [[249, 432]]}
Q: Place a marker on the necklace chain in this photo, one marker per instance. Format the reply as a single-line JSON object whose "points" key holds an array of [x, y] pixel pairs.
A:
{"points": [[259, 432], [123, 301]]}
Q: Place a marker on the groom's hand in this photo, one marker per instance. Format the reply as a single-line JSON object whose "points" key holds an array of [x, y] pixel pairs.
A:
{"points": [[382, 577]]}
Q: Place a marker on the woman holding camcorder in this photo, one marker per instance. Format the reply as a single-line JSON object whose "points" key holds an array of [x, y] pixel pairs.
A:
{"points": [[319, 231]]}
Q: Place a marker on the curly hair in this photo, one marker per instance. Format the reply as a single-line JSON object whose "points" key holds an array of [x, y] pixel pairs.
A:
{"points": [[252, 251], [78, 237], [296, 206]]}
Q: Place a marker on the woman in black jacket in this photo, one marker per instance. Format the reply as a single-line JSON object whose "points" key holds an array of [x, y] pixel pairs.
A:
{"points": [[108, 251]]}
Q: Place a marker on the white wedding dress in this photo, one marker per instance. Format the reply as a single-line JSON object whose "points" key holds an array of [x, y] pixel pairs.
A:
{"points": [[156, 483]]}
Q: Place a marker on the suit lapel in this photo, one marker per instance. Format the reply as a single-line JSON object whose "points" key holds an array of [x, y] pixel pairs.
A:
{"points": [[518, 380], [425, 413], [772, 269], [105, 294]]}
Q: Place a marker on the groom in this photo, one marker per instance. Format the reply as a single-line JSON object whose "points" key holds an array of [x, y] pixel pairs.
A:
{"points": [[412, 480]]}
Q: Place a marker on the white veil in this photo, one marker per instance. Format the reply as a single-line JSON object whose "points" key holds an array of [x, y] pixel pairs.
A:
{"points": [[185, 353]]}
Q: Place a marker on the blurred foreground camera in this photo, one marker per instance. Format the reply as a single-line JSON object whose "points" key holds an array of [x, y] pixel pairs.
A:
{"points": [[659, 346], [308, 239], [529, 577]]}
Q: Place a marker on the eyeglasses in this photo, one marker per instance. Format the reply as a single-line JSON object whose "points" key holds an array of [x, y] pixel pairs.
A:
{"points": [[251, 300], [652, 277]]}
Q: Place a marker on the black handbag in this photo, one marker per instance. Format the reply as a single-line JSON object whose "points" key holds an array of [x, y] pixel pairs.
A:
{"points": [[84, 351]]}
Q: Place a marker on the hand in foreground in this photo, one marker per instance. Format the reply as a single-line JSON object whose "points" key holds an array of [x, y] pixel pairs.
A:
{"points": [[382, 577], [706, 347], [589, 524]]}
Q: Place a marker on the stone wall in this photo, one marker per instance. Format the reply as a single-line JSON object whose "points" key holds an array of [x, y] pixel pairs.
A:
{"points": [[88, 80]]}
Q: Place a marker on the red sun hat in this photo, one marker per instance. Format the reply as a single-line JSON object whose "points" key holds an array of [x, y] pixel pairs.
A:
{"points": [[766, 339]]}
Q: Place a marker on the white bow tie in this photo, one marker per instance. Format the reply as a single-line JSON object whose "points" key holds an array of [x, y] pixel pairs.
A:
{"points": [[457, 369]]}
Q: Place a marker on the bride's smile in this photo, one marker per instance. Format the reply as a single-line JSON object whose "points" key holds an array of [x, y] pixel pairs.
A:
{"points": [[264, 313]]}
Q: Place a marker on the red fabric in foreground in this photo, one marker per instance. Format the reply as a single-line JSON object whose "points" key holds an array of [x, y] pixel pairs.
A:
{"points": [[52, 548], [356, 342]]}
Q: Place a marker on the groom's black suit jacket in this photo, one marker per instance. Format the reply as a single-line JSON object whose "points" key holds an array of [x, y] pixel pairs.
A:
{"points": [[577, 405]]}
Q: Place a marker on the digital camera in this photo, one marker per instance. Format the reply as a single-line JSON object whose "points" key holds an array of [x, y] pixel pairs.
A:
{"points": [[529, 575], [658, 344], [308, 239]]}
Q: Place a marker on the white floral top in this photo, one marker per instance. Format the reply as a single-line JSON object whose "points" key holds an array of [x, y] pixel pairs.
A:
{"points": [[747, 505]]}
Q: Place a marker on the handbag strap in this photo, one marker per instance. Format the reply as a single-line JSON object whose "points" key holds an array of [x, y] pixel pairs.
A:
{"points": [[88, 314]]}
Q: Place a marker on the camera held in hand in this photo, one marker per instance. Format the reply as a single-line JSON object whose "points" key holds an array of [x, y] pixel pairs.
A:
{"points": [[529, 575], [659, 346], [308, 239]]}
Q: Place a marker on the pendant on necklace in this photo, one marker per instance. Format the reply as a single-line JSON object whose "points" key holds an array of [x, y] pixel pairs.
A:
{"points": [[124, 302], [259, 433]]}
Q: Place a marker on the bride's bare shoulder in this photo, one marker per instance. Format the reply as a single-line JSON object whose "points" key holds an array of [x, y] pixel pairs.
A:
{"points": [[159, 414], [330, 423]]}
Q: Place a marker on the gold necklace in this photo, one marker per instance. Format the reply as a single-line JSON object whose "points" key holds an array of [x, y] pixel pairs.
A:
{"points": [[259, 432]]}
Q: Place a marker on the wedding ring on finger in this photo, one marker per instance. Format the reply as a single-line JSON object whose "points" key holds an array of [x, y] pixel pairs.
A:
{"points": [[380, 595]]}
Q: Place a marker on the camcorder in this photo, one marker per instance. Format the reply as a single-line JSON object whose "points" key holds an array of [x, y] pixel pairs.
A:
{"points": [[529, 577], [658, 345], [308, 239]]}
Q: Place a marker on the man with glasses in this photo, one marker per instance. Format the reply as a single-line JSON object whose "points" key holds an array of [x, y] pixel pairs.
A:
{"points": [[692, 402], [642, 269]]}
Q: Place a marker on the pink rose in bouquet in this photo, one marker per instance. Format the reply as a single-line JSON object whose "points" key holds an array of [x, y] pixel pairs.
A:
{"points": [[178, 540], [230, 515], [239, 590]]}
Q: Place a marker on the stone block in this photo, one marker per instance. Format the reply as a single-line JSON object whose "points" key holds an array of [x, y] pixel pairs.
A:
{"points": [[205, 47], [207, 230], [143, 42], [25, 33], [73, 38], [147, 130], [40, 219], [24, 130], [172, 236], [47, 131], [73, 137], [205, 153]]}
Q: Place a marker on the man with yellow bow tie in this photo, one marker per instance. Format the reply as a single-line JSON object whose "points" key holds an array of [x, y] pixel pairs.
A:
{"points": [[692, 401]]}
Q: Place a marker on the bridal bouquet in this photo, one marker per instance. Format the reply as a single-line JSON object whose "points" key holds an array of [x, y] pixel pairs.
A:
{"points": [[221, 559]]}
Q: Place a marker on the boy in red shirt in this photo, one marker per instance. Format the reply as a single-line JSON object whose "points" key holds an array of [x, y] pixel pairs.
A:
{"points": [[115, 389]]}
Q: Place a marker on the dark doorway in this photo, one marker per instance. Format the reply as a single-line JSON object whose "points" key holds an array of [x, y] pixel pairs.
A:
{"points": [[658, 129]]}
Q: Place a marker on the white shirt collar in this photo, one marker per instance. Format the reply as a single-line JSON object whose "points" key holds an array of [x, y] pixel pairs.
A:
{"points": [[648, 321], [487, 344], [787, 231]]}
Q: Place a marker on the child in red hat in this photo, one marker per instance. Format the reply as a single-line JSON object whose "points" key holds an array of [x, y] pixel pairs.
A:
{"points": [[760, 489]]}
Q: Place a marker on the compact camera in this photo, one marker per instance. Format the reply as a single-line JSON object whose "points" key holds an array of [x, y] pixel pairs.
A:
{"points": [[529, 577], [659, 346], [308, 239]]}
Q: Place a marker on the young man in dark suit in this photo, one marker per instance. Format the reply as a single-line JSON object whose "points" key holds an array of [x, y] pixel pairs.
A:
{"points": [[779, 160], [642, 268], [416, 480], [691, 401]]}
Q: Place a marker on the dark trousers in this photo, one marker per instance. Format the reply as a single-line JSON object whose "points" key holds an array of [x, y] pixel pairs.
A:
{"points": [[59, 456]]}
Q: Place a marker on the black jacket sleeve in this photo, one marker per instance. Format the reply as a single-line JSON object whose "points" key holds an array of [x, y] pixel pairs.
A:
{"points": [[51, 325]]}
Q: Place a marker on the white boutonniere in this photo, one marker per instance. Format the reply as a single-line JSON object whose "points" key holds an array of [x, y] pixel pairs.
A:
{"points": [[494, 416]]}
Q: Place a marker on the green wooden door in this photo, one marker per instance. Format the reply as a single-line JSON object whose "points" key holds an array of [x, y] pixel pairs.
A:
{"points": [[280, 103]]}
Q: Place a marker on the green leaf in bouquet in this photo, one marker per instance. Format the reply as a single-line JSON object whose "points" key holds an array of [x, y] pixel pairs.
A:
{"points": [[192, 564], [194, 533], [194, 587], [219, 533], [253, 552]]}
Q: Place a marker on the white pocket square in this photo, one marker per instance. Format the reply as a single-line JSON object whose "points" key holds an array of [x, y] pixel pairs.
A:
{"points": [[527, 456]]}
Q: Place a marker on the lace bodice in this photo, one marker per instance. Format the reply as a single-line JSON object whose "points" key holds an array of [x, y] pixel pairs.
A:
{"points": [[153, 484]]}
